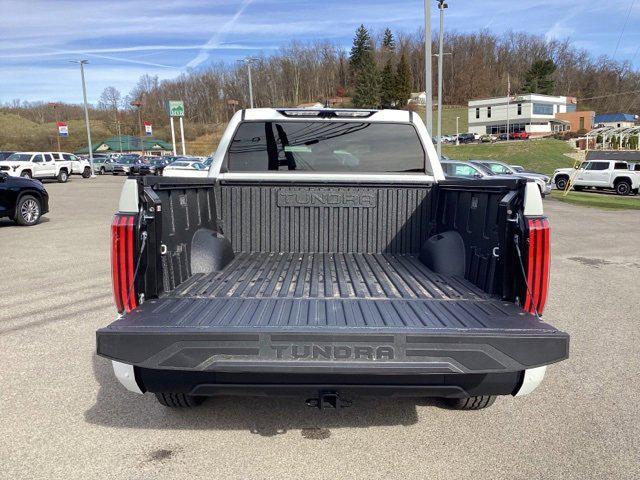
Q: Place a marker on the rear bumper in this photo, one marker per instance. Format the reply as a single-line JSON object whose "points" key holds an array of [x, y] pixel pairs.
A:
{"points": [[318, 352], [211, 384]]}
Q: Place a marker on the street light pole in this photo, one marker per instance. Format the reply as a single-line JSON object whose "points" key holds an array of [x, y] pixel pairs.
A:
{"points": [[441, 6], [138, 105], [250, 85], [55, 114], [248, 61], [457, 132], [86, 112], [428, 89]]}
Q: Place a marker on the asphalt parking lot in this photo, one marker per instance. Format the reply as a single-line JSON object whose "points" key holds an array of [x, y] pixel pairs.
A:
{"points": [[64, 415]]}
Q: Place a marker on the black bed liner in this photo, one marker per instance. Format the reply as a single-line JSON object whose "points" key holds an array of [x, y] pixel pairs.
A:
{"points": [[346, 312]]}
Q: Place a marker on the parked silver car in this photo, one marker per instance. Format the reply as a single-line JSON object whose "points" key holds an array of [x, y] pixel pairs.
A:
{"points": [[499, 168]]}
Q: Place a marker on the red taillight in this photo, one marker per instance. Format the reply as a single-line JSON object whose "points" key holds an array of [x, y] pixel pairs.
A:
{"points": [[538, 265], [122, 262]]}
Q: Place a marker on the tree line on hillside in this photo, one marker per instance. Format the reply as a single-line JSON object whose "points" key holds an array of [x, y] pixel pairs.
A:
{"points": [[381, 69]]}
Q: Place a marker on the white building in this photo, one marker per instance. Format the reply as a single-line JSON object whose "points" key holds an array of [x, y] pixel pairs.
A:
{"points": [[531, 113]]}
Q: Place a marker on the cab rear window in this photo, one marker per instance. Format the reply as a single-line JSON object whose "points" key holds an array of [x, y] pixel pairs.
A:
{"points": [[326, 146]]}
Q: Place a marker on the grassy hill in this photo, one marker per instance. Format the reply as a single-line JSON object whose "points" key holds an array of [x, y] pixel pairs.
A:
{"points": [[449, 115], [543, 155]]}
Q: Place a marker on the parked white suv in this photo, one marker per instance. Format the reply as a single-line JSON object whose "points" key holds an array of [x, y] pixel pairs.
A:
{"points": [[599, 174], [78, 165], [38, 165]]}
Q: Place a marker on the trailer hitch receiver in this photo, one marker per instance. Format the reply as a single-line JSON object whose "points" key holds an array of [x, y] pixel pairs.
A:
{"points": [[328, 400]]}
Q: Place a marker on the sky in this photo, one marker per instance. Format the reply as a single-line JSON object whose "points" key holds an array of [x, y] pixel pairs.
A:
{"points": [[124, 39]]}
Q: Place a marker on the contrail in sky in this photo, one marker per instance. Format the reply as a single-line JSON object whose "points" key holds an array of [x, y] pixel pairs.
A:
{"points": [[203, 55]]}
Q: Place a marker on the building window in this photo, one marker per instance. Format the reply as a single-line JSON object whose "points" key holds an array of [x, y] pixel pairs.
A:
{"points": [[542, 109], [519, 109], [477, 113], [581, 123], [488, 112], [571, 108]]}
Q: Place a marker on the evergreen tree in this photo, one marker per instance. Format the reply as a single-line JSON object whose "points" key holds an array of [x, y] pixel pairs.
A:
{"points": [[364, 73], [361, 45], [367, 83], [402, 83], [388, 41], [538, 78], [387, 86]]}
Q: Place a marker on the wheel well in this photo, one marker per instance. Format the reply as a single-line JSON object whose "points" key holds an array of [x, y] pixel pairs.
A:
{"points": [[562, 175], [33, 193], [64, 169], [622, 179]]}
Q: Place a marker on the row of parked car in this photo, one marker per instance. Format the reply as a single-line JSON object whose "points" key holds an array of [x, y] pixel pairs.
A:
{"points": [[484, 169], [607, 175], [135, 164], [488, 138], [24, 199]]}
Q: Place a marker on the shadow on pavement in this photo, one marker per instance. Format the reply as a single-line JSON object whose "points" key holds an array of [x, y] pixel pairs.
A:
{"points": [[116, 407], [8, 222]]}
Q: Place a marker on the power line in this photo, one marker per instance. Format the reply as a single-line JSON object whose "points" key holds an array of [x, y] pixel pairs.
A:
{"points": [[624, 26]]}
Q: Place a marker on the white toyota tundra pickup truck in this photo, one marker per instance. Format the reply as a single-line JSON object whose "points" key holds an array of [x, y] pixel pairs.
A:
{"points": [[599, 174], [325, 255], [38, 165]]}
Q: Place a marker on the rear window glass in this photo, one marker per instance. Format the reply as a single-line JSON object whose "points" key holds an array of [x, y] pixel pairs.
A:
{"points": [[326, 147], [461, 170]]}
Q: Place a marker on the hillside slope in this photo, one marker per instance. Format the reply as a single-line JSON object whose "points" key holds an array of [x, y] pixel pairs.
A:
{"points": [[543, 155]]}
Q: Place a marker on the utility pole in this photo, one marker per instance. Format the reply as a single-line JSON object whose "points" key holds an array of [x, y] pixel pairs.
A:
{"points": [[428, 89], [250, 84], [248, 62], [441, 6], [138, 105], [457, 132], [55, 114], [184, 148], [119, 135], [508, 98], [86, 112]]}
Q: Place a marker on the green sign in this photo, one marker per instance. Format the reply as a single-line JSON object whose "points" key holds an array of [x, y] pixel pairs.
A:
{"points": [[175, 108]]}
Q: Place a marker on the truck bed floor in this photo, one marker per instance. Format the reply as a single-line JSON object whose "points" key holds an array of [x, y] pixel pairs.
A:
{"points": [[327, 289]]}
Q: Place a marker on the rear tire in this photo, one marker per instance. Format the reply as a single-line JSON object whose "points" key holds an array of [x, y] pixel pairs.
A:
{"points": [[178, 400], [63, 176], [471, 403], [28, 211], [102, 171], [561, 182], [623, 188], [86, 173]]}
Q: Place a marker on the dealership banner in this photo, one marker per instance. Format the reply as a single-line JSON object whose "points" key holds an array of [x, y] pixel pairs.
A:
{"points": [[63, 130], [148, 129]]}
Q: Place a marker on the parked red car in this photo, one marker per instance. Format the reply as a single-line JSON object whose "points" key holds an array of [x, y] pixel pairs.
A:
{"points": [[519, 136]]}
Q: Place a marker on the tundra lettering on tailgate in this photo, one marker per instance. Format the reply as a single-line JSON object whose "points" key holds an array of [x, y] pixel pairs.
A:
{"points": [[331, 352], [303, 198]]}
